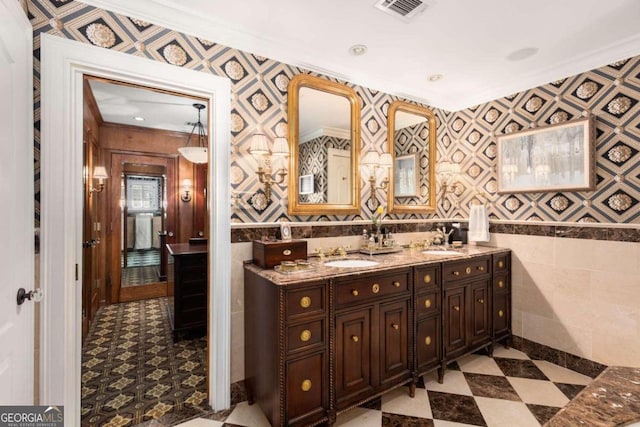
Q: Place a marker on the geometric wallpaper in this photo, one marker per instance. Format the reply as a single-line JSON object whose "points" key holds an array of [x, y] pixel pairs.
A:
{"points": [[259, 103], [314, 159]]}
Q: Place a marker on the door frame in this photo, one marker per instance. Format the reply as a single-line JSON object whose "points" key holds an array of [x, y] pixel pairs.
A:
{"points": [[63, 65]]}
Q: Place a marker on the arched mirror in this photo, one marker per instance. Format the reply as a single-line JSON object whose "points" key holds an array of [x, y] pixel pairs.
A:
{"points": [[411, 139], [324, 141]]}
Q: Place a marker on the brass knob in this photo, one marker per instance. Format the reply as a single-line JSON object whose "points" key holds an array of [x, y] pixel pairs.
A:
{"points": [[427, 278], [500, 313], [305, 302], [286, 252], [395, 326], [456, 273], [375, 288], [467, 270], [500, 264], [481, 268], [500, 284], [456, 307], [354, 338], [396, 284], [480, 300], [354, 292], [306, 385], [427, 341], [305, 335], [427, 302]]}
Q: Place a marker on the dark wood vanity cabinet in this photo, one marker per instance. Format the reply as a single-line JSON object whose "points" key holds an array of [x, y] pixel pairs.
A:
{"points": [[315, 348]]}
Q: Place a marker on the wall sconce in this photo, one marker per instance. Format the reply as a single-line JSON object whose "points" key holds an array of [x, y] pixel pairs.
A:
{"points": [[374, 161], [99, 173], [260, 151], [448, 173], [185, 196]]}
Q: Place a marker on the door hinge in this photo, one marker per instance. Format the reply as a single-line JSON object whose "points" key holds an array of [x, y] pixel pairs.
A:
{"points": [[76, 271]]}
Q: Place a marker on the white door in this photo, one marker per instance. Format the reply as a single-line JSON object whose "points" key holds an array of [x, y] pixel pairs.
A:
{"points": [[16, 193], [339, 177]]}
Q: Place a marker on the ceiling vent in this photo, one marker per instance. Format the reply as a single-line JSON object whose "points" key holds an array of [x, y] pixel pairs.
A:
{"points": [[403, 9]]}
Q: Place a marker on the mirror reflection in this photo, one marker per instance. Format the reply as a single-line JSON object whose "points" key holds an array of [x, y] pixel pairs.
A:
{"points": [[411, 140], [323, 135]]}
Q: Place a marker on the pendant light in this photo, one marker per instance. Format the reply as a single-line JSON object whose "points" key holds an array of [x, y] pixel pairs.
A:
{"points": [[197, 153]]}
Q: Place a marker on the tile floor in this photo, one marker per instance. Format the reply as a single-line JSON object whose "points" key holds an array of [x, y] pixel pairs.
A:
{"points": [[507, 390]]}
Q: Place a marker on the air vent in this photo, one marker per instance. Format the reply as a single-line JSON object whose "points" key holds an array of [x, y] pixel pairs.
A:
{"points": [[403, 9]]}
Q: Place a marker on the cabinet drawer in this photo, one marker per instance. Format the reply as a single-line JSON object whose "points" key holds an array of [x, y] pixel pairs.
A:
{"points": [[501, 263], [305, 336], [428, 303], [428, 343], [501, 283], [427, 277], [194, 272], [475, 267], [306, 301], [357, 289], [305, 387]]}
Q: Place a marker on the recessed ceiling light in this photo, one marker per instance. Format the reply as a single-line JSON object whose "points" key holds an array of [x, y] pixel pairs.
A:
{"points": [[435, 77], [138, 119], [520, 54], [358, 50]]}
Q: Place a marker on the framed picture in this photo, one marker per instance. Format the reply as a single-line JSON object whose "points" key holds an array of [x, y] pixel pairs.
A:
{"points": [[405, 179], [553, 158], [306, 184], [285, 231]]}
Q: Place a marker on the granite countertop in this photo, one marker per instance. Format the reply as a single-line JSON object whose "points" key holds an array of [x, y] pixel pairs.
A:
{"points": [[612, 399], [404, 258]]}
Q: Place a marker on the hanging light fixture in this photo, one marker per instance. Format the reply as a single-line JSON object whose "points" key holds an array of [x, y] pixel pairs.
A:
{"points": [[197, 153]]}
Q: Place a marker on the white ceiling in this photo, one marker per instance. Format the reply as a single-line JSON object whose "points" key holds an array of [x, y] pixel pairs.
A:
{"points": [[467, 41]]}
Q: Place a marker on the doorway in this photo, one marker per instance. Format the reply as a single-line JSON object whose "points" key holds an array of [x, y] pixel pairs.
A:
{"points": [[66, 63]]}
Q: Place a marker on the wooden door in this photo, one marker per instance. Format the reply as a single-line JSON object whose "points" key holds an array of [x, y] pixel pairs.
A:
{"points": [[394, 335], [479, 304], [455, 336], [428, 343], [339, 177], [353, 353]]}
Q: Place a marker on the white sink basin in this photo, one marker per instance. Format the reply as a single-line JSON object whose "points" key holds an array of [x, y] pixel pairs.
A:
{"points": [[351, 263], [443, 253]]}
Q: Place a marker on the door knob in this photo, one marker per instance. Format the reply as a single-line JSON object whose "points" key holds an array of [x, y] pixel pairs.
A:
{"points": [[23, 295]]}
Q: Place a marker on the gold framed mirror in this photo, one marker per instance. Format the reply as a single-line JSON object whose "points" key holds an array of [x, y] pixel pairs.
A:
{"points": [[411, 140], [324, 142]]}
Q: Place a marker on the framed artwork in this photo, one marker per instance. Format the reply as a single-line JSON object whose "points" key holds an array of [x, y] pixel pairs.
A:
{"points": [[405, 179], [285, 231], [306, 184], [552, 158]]}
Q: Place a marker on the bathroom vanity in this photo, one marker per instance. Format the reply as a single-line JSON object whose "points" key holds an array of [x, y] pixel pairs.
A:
{"points": [[327, 339]]}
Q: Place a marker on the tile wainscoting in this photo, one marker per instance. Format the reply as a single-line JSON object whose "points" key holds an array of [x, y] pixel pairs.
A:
{"points": [[575, 287]]}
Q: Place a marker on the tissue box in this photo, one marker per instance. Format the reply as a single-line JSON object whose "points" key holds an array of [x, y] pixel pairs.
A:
{"points": [[270, 254]]}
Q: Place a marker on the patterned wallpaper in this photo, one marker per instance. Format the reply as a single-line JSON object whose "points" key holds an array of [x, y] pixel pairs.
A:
{"points": [[414, 140], [314, 159], [259, 100]]}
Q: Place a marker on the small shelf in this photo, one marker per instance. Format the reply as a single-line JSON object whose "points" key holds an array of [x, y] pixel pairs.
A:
{"points": [[383, 250]]}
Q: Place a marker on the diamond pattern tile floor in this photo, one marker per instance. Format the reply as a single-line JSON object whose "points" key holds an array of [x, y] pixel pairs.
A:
{"points": [[507, 390]]}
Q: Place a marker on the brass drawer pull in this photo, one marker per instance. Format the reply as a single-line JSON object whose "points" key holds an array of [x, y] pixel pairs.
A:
{"points": [[427, 341], [375, 288], [305, 335], [480, 268], [306, 385], [500, 313], [286, 252], [500, 264], [427, 303], [427, 278], [354, 292], [395, 326], [305, 302], [354, 338], [456, 307], [500, 283], [467, 270], [396, 284], [480, 300], [456, 273]]}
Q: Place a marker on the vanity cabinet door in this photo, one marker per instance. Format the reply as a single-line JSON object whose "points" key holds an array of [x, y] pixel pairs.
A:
{"points": [[306, 389], [501, 315], [428, 343], [353, 353], [479, 303], [394, 328], [454, 314]]}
